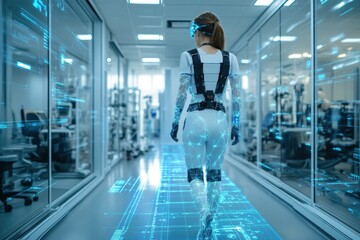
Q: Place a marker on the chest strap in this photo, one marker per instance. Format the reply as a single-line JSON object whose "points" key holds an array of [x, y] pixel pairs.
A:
{"points": [[199, 72]]}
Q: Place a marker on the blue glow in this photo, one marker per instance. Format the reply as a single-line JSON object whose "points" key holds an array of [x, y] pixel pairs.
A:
{"points": [[39, 5], [3, 126], [194, 27], [321, 76], [23, 65], [322, 2], [168, 212]]}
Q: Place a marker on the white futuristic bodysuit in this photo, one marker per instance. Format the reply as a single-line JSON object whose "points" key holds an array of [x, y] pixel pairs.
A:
{"points": [[206, 132]]}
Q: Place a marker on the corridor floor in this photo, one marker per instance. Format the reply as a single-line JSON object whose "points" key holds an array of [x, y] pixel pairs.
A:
{"points": [[149, 198]]}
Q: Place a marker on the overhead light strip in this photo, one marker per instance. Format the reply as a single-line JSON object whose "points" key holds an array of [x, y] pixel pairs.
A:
{"points": [[150, 60], [263, 2], [150, 37], [144, 1]]}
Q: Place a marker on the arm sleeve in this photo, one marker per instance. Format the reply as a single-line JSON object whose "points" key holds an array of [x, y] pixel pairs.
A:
{"points": [[185, 77], [235, 83]]}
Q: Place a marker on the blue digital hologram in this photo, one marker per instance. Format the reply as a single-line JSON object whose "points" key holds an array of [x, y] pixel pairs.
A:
{"points": [[168, 211]]}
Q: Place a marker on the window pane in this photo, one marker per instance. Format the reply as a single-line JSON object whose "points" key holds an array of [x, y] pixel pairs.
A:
{"points": [[23, 113], [272, 92], [337, 82], [114, 107], [295, 98], [251, 97], [72, 96]]}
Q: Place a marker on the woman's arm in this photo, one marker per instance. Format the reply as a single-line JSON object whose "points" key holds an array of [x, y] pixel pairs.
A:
{"points": [[181, 96], [235, 98], [180, 103]]}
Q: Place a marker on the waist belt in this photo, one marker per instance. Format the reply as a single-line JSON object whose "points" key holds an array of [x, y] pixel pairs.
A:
{"points": [[206, 105]]}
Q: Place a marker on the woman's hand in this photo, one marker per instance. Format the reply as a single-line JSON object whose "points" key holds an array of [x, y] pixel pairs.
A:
{"points": [[235, 135], [174, 131]]}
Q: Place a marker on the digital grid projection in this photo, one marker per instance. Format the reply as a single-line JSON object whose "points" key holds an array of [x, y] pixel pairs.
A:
{"points": [[168, 212]]}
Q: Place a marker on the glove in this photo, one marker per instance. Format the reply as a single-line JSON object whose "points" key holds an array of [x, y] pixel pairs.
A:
{"points": [[235, 135], [174, 131]]}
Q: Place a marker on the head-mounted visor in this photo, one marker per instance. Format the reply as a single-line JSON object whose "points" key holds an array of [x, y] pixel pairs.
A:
{"points": [[194, 27]]}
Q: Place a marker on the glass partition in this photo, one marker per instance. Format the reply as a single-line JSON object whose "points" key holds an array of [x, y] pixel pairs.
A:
{"points": [[251, 97], [72, 96], [337, 100], [23, 113], [248, 69], [274, 95], [295, 96], [114, 105]]}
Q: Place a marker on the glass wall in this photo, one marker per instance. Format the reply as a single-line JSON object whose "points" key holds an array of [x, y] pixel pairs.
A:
{"points": [[24, 113], [252, 97], [280, 54], [274, 103], [248, 69], [114, 105], [47, 113], [295, 73], [71, 96], [337, 100]]}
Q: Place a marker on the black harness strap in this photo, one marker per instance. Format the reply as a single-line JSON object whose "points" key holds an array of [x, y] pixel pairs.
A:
{"points": [[224, 72], [198, 71], [209, 96]]}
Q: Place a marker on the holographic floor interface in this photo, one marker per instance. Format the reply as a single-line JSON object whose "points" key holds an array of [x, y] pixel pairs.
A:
{"points": [[160, 206]]}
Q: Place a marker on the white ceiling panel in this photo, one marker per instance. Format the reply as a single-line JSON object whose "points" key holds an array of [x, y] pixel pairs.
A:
{"points": [[127, 20]]}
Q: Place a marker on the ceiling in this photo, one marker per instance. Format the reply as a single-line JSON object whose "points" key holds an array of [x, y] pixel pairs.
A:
{"points": [[127, 20]]}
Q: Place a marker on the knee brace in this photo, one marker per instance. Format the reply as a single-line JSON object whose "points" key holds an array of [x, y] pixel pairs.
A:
{"points": [[195, 173], [213, 175]]}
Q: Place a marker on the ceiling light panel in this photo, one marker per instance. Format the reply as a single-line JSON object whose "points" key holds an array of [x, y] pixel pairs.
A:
{"points": [[153, 37], [263, 2], [351, 40], [150, 60], [283, 38], [144, 1]]}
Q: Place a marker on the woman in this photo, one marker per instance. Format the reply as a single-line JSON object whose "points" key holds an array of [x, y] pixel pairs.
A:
{"points": [[204, 72]]}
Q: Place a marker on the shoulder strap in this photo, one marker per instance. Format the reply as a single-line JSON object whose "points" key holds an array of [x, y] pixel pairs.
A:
{"points": [[224, 72], [198, 71]]}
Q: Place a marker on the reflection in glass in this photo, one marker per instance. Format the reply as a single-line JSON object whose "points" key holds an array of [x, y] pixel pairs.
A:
{"points": [[252, 96], [248, 68], [72, 96], [115, 109], [274, 96], [337, 84], [23, 113], [295, 76]]}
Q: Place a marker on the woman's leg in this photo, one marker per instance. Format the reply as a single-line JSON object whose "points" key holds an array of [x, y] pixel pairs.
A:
{"points": [[215, 150], [194, 137]]}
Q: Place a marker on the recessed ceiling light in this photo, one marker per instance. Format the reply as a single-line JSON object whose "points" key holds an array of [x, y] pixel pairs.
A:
{"points": [[84, 37], [23, 65], [245, 61], [351, 40], [283, 38], [306, 55], [289, 2], [150, 37], [263, 2], [144, 1], [342, 55], [295, 56], [150, 60]]}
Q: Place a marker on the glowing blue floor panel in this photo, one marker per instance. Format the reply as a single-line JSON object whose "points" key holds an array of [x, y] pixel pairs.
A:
{"points": [[165, 211]]}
